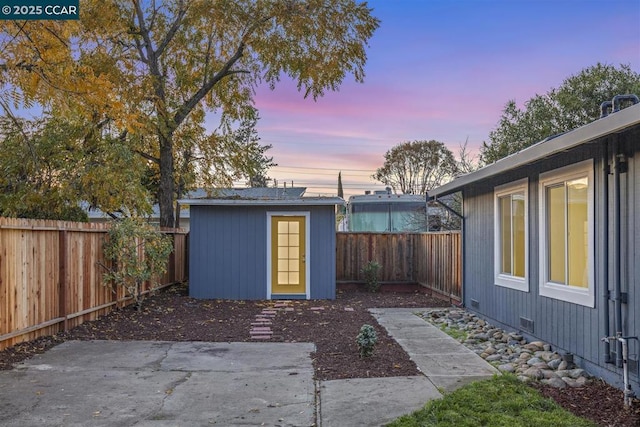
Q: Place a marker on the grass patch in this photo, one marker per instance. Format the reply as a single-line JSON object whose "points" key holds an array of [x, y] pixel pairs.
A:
{"points": [[501, 401], [454, 332]]}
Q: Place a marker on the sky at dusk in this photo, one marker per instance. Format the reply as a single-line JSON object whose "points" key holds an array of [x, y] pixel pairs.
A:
{"points": [[443, 70]]}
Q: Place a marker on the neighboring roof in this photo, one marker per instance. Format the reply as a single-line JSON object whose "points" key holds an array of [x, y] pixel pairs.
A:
{"points": [[613, 123], [302, 201], [385, 198]]}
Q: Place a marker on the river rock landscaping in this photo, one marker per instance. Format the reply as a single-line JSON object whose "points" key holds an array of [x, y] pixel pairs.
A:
{"points": [[509, 351]]}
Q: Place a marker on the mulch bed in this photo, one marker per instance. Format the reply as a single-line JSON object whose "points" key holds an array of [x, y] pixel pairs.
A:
{"points": [[171, 315]]}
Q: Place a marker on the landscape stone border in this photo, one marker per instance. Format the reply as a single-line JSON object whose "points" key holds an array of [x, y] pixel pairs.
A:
{"points": [[509, 351]]}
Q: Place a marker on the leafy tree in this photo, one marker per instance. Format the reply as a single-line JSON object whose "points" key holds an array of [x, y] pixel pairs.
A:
{"points": [[219, 159], [416, 167], [51, 166], [245, 157], [139, 253], [150, 68], [575, 103]]}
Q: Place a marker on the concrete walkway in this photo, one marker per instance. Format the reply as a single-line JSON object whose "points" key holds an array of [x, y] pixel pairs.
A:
{"points": [[158, 384], [445, 362]]}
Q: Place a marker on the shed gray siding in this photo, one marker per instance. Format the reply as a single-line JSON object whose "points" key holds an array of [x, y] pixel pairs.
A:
{"points": [[228, 251], [568, 327]]}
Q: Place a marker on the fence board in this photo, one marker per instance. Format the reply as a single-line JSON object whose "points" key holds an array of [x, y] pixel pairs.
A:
{"points": [[51, 276], [430, 259]]}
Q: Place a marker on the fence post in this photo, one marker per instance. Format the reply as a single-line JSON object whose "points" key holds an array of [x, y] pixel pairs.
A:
{"points": [[62, 271], [172, 258]]}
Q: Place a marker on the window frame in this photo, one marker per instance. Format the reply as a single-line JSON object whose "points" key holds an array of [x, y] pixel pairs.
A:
{"points": [[566, 292], [502, 279]]}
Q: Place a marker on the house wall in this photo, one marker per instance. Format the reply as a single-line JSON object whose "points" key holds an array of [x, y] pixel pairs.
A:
{"points": [[568, 327], [228, 251]]}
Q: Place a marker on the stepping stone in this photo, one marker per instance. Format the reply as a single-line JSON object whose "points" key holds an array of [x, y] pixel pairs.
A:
{"points": [[281, 305], [289, 309], [261, 337], [317, 308], [260, 333], [261, 323], [258, 329], [260, 317], [269, 312], [348, 309]]}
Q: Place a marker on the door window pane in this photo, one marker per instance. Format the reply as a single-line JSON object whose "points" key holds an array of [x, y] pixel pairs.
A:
{"points": [[287, 264]]}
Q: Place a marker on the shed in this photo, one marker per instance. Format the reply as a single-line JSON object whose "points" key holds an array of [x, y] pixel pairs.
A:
{"points": [[551, 246], [263, 244]]}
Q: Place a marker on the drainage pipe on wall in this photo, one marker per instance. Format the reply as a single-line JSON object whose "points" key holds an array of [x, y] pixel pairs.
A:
{"points": [[605, 251], [617, 249]]}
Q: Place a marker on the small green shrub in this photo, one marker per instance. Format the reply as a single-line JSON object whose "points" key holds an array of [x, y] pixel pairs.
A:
{"points": [[370, 272], [366, 339], [138, 254]]}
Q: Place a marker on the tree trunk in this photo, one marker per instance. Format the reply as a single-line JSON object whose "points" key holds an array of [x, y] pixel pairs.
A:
{"points": [[166, 190]]}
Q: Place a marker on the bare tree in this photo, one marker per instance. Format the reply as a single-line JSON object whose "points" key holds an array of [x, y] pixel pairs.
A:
{"points": [[417, 167]]}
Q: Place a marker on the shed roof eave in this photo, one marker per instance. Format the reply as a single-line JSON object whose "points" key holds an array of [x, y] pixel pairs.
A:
{"points": [[613, 123], [305, 201]]}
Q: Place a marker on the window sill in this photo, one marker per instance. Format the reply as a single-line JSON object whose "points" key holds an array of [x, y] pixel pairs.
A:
{"points": [[570, 294], [512, 282]]}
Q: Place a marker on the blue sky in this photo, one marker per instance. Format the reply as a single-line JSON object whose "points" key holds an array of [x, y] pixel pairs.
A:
{"points": [[439, 69]]}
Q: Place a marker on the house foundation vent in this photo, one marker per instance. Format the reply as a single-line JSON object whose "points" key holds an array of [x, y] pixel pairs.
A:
{"points": [[526, 324]]}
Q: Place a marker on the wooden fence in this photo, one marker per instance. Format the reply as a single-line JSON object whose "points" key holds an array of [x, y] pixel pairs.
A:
{"points": [[432, 260], [51, 277]]}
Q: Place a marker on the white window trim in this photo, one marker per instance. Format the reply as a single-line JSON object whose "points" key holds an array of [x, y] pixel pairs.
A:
{"points": [[507, 280], [572, 294], [307, 221]]}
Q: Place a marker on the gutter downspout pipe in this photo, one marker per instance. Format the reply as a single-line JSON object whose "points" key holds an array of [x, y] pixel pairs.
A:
{"points": [[605, 251], [617, 264]]}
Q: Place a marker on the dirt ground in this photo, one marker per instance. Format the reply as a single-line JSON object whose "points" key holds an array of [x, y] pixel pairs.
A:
{"points": [[171, 315]]}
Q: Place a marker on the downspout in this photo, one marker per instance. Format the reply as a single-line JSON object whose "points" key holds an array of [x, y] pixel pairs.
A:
{"points": [[606, 108], [605, 251], [617, 262]]}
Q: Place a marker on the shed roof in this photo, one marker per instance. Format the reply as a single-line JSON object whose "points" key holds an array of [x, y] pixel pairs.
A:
{"points": [[613, 123], [262, 196], [254, 193], [302, 201]]}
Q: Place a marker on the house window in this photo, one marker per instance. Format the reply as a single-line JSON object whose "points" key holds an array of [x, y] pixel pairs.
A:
{"points": [[566, 234], [511, 236]]}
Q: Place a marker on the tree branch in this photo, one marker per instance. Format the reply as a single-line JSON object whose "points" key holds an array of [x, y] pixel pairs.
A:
{"points": [[190, 104], [26, 137], [182, 10], [147, 156]]}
